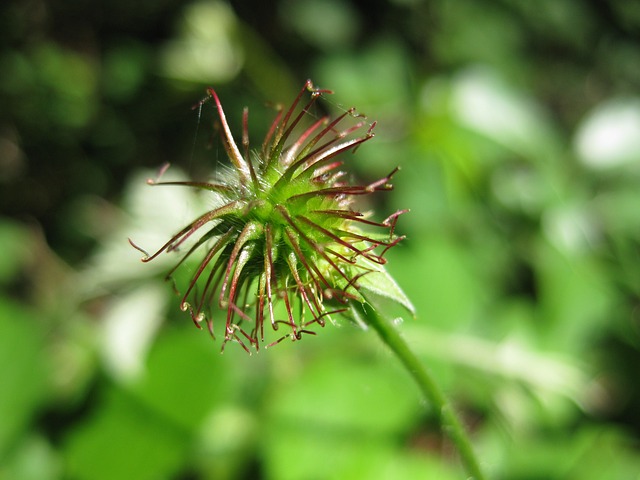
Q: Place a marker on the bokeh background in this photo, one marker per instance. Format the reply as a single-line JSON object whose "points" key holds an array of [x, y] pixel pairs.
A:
{"points": [[517, 127]]}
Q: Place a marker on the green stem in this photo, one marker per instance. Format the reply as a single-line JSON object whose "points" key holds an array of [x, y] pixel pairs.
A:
{"points": [[447, 416]]}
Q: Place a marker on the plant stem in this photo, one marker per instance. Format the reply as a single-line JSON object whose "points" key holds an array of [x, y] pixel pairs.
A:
{"points": [[449, 421]]}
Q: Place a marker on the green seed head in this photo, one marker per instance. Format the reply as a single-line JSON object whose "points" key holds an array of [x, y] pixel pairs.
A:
{"points": [[286, 247]]}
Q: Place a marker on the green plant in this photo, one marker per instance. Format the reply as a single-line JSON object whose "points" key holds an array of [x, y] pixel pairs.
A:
{"points": [[284, 231]]}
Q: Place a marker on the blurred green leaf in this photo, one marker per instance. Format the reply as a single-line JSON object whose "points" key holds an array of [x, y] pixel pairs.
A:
{"points": [[205, 50], [123, 439], [609, 137], [349, 76], [440, 278], [14, 243], [185, 378], [327, 24], [23, 372], [33, 459], [356, 410], [589, 454], [575, 298], [124, 70]]}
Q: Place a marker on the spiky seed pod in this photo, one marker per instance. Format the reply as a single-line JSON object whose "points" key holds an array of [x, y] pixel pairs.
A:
{"points": [[285, 231]]}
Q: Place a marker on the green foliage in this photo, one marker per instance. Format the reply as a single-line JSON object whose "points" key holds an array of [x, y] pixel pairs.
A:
{"points": [[23, 378], [516, 128]]}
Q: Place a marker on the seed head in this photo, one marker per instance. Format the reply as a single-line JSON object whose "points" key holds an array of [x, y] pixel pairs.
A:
{"points": [[286, 243]]}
